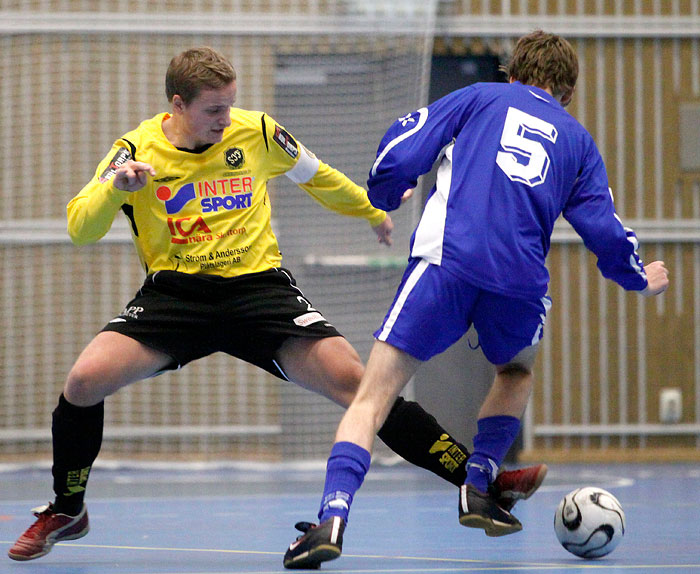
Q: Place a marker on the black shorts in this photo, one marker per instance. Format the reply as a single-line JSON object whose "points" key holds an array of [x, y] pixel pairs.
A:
{"points": [[191, 316]]}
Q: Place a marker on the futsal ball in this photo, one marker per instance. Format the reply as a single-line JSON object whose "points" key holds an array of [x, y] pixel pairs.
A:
{"points": [[589, 522]]}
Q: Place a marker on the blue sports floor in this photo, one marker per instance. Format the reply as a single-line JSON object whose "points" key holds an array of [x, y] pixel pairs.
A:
{"points": [[404, 520]]}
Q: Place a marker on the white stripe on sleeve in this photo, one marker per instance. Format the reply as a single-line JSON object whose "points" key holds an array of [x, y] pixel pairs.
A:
{"points": [[422, 118]]}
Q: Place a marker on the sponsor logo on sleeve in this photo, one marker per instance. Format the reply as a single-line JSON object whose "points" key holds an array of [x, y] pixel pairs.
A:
{"points": [[120, 158], [286, 141], [407, 119]]}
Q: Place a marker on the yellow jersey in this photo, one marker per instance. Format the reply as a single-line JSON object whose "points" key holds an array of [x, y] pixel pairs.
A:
{"points": [[208, 212]]}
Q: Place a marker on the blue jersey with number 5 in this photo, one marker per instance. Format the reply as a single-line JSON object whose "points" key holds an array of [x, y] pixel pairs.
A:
{"points": [[510, 161]]}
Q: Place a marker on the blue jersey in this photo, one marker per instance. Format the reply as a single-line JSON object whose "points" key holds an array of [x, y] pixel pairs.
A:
{"points": [[510, 161]]}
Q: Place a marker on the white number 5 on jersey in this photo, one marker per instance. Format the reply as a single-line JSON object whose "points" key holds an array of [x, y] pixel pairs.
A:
{"points": [[533, 170]]}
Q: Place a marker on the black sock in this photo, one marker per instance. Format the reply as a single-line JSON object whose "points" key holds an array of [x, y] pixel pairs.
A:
{"points": [[77, 437], [415, 435]]}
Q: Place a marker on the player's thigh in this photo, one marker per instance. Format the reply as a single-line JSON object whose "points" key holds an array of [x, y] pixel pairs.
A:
{"points": [[510, 329], [327, 365], [430, 312], [110, 361]]}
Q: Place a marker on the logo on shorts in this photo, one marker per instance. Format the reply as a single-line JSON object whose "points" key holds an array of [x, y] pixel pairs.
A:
{"points": [[132, 312], [311, 316], [309, 319]]}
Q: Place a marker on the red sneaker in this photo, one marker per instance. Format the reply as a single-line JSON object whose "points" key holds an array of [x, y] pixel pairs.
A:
{"points": [[49, 528], [513, 485]]}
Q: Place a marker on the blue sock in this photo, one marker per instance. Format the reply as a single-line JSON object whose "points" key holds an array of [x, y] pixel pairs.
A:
{"points": [[491, 444], [347, 466]]}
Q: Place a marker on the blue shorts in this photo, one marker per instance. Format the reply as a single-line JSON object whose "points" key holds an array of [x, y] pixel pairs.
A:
{"points": [[433, 309]]}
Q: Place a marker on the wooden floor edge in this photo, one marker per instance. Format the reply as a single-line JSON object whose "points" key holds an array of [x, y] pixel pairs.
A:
{"points": [[611, 455]]}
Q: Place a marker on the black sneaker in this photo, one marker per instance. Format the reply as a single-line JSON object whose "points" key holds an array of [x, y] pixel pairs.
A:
{"points": [[318, 544], [479, 510]]}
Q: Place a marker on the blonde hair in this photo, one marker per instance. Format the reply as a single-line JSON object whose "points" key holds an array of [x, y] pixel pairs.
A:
{"points": [[196, 69], [546, 61]]}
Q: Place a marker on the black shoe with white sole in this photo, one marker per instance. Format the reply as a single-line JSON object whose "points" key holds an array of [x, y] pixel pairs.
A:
{"points": [[317, 544], [479, 510]]}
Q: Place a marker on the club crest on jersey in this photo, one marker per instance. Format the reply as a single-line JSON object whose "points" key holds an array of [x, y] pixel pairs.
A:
{"points": [[234, 157], [286, 141], [120, 158]]}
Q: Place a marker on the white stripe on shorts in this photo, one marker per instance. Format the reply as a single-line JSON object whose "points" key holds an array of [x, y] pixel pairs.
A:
{"points": [[547, 304], [401, 299]]}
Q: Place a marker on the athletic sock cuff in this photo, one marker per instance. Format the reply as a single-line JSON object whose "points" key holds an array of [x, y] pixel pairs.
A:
{"points": [[347, 466], [70, 410], [352, 452], [505, 424]]}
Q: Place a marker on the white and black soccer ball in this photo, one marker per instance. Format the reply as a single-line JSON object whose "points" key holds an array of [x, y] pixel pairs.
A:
{"points": [[589, 522]]}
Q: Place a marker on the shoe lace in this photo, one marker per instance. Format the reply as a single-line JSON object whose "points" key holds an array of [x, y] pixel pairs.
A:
{"points": [[43, 509], [304, 527], [43, 513]]}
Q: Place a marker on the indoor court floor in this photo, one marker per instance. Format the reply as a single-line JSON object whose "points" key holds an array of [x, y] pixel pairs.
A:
{"points": [[240, 518]]}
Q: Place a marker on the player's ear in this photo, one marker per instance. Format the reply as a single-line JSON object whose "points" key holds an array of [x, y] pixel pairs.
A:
{"points": [[567, 97], [178, 103]]}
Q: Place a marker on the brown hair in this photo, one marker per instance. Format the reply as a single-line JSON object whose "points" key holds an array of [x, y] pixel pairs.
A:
{"points": [[197, 69], [546, 61]]}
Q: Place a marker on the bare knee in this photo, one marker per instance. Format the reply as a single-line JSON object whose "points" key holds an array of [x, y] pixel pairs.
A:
{"points": [[520, 366], [348, 378], [82, 388], [514, 370], [341, 369]]}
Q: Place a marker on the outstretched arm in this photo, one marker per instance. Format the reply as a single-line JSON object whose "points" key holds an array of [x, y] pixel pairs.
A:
{"points": [[335, 191], [384, 229], [331, 188]]}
